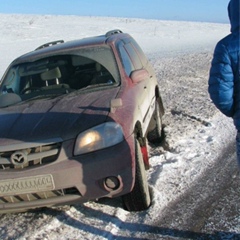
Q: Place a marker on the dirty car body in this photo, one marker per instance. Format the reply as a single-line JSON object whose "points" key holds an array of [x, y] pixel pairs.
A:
{"points": [[71, 114]]}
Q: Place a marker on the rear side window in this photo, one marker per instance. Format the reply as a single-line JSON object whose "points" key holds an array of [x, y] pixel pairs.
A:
{"points": [[140, 52], [131, 59], [126, 61], [134, 56]]}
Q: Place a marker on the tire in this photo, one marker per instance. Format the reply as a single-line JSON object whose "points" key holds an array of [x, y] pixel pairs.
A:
{"points": [[139, 198], [155, 132]]}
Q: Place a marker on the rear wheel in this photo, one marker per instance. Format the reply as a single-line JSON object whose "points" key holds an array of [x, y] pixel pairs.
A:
{"points": [[139, 198], [155, 132]]}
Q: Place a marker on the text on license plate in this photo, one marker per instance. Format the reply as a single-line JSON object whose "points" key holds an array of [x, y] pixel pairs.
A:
{"points": [[26, 185]]}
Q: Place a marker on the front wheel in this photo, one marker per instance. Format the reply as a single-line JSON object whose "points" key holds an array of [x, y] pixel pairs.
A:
{"points": [[139, 198]]}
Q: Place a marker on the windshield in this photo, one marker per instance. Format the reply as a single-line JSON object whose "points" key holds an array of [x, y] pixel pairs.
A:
{"points": [[60, 74]]}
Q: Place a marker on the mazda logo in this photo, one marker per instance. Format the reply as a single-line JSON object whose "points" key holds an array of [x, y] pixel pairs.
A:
{"points": [[19, 158]]}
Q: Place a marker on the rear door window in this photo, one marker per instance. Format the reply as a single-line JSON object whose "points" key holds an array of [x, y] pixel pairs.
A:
{"points": [[140, 52], [126, 60], [134, 56]]}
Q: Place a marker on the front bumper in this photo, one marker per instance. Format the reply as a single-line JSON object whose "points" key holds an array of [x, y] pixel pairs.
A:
{"points": [[74, 179]]}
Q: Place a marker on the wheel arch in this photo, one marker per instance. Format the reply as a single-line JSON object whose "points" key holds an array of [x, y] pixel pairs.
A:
{"points": [[159, 99], [138, 134]]}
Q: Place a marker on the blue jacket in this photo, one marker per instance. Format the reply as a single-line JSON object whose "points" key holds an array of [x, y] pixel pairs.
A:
{"points": [[224, 76]]}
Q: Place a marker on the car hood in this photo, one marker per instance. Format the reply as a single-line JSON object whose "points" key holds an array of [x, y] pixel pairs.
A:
{"points": [[63, 117]]}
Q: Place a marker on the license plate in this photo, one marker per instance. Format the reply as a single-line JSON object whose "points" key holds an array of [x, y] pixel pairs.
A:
{"points": [[26, 185]]}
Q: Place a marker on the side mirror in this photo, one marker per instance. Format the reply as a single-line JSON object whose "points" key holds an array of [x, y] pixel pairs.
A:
{"points": [[139, 75]]}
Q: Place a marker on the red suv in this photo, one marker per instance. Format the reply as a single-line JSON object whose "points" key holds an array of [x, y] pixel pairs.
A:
{"points": [[75, 118]]}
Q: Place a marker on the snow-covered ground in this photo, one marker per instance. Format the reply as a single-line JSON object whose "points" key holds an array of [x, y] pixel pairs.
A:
{"points": [[196, 132]]}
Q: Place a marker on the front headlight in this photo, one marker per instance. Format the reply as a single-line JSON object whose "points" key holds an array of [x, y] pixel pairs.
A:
{"points": [[99, 137]]}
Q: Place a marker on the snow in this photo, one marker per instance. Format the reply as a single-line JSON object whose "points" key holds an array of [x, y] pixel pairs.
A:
{"points": [[195, 131]]}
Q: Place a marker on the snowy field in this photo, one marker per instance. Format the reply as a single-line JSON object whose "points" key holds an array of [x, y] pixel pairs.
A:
{"points": [[196, 132]]}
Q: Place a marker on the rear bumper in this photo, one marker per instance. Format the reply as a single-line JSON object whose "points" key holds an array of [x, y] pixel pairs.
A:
{"points": [[74, 179]]}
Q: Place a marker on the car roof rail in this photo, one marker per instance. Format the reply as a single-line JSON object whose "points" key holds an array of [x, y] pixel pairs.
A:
{"points": [[112, 32], [49, 44]]}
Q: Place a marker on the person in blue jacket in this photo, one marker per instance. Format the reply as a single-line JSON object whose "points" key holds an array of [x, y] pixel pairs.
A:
{"points": [[224, 76]]}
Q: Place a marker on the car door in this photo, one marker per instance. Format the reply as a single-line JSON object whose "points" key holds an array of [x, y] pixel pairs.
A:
{"points": [[151, 81], [140, 77]]}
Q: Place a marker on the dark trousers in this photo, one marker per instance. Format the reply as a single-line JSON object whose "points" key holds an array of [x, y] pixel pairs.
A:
{"points": [[238, 147]]}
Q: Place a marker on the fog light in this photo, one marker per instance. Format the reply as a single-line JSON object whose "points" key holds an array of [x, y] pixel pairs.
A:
{"points": [[112, 183]]}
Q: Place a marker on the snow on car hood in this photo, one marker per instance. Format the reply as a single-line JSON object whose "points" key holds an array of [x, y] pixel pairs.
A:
{"points": [[62, 117]]}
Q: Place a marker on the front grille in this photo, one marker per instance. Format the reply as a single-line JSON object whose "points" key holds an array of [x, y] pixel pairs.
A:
{"points": [[30, 197], [29, 157]]}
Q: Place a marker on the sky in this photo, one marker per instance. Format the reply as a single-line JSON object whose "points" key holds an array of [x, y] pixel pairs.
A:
{"points": [[181, 10]]}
